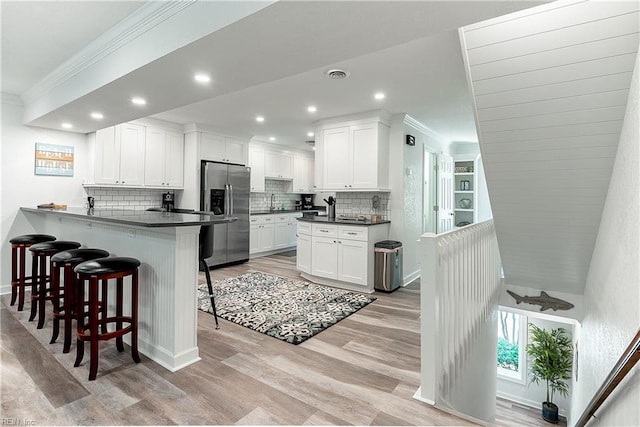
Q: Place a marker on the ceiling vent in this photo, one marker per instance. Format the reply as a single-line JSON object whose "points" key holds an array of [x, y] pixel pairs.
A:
{"points": [[337, 74], [310, 142]]}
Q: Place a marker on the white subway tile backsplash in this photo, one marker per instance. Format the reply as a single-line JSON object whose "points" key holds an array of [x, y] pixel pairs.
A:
{"points": [[127, 198]]}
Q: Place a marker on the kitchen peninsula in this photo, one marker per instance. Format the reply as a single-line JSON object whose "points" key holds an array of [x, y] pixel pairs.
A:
{"points": [[166, 244], [339, 252]]}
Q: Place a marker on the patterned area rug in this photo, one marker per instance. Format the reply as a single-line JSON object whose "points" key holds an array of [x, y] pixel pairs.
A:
{"points": [[287, 309]]}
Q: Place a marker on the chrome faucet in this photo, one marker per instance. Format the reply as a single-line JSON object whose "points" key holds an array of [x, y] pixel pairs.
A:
{"points": [[273, 202]]}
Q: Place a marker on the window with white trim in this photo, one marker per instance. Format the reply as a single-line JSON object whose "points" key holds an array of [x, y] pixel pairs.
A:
{"points": [[512, 344]]}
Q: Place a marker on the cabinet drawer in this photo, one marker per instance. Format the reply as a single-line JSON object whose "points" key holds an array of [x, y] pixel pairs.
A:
{"points": [[304, 228], [261, 219], [281, 218], [324, 230], [353, 233]]}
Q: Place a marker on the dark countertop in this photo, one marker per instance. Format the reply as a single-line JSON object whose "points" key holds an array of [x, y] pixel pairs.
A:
{"points": [[138, 218], [325, 220], [283, 211]]}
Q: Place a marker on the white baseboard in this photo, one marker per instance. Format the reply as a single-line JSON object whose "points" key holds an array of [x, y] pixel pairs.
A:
{"points": [[410, 278], [527, 402], [5, 289]]}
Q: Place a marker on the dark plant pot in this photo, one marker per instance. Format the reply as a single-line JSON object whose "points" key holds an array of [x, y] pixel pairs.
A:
{"points": [[550, 412]]}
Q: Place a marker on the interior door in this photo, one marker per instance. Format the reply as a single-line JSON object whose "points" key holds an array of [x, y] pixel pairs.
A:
{"points": [[445, 193]]}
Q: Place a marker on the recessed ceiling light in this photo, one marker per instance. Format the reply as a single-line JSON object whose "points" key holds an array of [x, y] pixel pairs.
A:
{"points": [[337, 74], [313, 148], [309, 134], [67, 125], [202, 78], [272, 138], [259, 119], [379, 95], [138, 101], [97, 116], [311, 109]]}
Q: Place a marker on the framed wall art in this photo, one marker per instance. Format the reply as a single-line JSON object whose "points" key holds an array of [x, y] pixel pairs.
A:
{"points": [[53, 159]]}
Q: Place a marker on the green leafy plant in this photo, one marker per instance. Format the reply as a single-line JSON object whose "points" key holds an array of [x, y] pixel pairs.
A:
{"points": [[551, 359], [508, 354]]}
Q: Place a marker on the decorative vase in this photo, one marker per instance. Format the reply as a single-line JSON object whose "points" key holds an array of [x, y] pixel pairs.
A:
{"points": [[550, 412]]}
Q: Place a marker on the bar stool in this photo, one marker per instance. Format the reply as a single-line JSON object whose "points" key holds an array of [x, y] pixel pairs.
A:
{"points": [[19, 281], [98, 272], [39, 291], [67, 260], [205, 250]]}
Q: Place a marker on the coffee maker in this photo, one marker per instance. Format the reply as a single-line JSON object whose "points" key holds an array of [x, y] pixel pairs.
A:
{"points": [[307, 201], [168, 201]]}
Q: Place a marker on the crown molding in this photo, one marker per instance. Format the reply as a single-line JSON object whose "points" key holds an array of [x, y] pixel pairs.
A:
{"points": [[130, 28], [410, 121], [10, 99]]}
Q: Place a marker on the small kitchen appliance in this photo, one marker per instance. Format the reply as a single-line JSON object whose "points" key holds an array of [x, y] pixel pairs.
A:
{"points": [[298, 205], [168, 201], [307, 201], [331, 209]]}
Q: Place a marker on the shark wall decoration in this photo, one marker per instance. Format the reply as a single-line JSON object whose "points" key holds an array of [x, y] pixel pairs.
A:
{"points": [[544, 300]]}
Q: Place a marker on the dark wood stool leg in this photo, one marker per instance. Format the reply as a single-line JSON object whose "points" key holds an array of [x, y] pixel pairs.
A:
{"points": [[119, 342], [69, 302], [42, 291], [55, 300], [104, 305], [14, 274], [22, 283], [207, 275], [80, 315], [35, 279], [134, 316], [93, 327]]}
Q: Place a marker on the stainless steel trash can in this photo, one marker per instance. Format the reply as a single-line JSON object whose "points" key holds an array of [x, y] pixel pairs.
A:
{"points": [[387, 265]]}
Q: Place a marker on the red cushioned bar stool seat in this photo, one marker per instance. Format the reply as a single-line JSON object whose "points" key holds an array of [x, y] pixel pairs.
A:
{"points": [[93, 309], [40, 293], [64, 293], [19, 279]]}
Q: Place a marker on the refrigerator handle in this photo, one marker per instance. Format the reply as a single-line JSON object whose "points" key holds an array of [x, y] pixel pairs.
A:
{"points": [[227, 205], [206, 194], [230, 199]]}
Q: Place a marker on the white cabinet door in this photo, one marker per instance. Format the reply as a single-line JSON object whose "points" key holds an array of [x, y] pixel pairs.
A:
{"points": [[324, 253], [292, 232], [254, 238], [256, 162], [212, 147], [155, 158], [107, 156], [266, 237], [302, 174], [303, 253], [364, 156], [352, 261], [235, 151], [281, 235], [132, 152], [174, 161], [318, 162], [337, 160], [278, 165]]}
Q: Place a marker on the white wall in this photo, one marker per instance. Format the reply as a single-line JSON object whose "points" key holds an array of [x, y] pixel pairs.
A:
{"points": [[405, 182], [21, 187], [534, 394], [612, 292]]}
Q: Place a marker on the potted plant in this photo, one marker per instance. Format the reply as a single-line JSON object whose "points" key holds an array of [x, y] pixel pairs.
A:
{"points": [[550, 360]]}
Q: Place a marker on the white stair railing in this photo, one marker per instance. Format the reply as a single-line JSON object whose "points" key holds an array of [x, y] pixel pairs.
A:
{"points": [[460, 284]]}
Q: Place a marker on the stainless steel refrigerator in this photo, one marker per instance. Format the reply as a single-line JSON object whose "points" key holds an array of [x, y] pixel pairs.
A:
{"points": [[225, 192]]}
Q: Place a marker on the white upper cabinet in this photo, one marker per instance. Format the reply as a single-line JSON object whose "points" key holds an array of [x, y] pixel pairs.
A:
{"points": [[256, 163], [164, 159], [278, 165], [223, 149], [119, 155], [354, 157], [302, 174]]}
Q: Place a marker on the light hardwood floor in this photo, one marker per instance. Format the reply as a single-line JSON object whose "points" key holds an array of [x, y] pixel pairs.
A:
{"points": [[361, 371]]}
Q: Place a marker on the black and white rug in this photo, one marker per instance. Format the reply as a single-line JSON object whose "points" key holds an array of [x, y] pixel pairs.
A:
{"points": [[287, 309]]}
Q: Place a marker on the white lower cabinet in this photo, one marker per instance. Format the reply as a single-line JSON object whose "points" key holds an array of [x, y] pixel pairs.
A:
{"points": [[324, 257], [339, 255], [272, 233]]}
